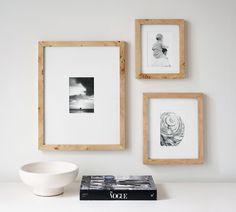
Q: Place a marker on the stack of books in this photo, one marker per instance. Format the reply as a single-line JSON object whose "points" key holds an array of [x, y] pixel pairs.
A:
{"points": [[108, 187]]}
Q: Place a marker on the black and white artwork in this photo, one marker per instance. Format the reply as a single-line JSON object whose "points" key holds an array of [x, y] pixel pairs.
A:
{"points": [[110, 182], [160, 51], [81, 92], [171, 129]]}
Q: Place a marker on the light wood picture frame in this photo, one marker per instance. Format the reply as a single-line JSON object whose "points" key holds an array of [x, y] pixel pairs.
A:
{"points": [[173, 128], [159, 48], [81, 95]]}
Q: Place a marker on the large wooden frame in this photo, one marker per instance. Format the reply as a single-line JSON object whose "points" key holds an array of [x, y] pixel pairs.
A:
{"points": [[138, 46], [41, 89], [146, 127]]}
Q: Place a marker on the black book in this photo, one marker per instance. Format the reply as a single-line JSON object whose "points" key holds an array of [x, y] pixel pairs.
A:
{"points": [[108, 187]]}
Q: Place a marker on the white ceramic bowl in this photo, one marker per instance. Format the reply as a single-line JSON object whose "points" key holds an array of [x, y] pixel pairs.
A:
{"points": [[48, 178]]}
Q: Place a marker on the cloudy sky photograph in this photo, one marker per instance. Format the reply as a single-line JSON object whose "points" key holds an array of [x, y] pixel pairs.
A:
{"points": [[81, 91]]}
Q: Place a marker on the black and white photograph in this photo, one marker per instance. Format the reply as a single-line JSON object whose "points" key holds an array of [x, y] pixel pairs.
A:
{"points": [[84, 90], [81, 95], [109, 187], [171, 129], [110, 182]]}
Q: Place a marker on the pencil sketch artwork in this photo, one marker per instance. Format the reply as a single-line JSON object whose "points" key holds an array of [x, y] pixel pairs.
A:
{"points": [[81, 91], [160, 52], [171, 129]]}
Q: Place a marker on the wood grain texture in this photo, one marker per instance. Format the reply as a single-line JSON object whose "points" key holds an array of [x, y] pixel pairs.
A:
{"points": [[42, 145], [122, 95], [200, 127], [138, 49], [79, 43], [146, 98], [40, 95], [145, 129], [75, 147]]}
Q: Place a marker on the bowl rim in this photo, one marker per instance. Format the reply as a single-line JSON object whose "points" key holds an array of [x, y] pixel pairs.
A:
{"points": [[76, 168]]}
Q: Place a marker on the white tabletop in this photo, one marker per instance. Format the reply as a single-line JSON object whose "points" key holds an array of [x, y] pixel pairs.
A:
{"points": [[183, 197]]}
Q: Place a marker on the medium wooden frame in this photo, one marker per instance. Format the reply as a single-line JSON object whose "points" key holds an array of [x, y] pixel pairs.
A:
{"points": [[146, 127], [41, 102], [138, 47]]}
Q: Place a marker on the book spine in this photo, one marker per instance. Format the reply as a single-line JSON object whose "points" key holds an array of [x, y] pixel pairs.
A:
{"points": [[118, 195]]}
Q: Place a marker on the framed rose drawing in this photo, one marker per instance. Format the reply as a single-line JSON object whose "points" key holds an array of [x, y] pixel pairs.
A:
{"points": [[81, 95], [173, 128], [159, 48]]}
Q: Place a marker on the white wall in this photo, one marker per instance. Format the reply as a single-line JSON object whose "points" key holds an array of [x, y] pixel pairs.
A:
{"points": [[211, 68]]}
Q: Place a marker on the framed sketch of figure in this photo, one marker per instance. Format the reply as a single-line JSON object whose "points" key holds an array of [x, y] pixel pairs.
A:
{"points": [[159, 48]]}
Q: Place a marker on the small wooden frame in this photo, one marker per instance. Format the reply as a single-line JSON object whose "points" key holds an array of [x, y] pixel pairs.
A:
{"points": [[159, 47], [110, 125], [179, 116]]}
